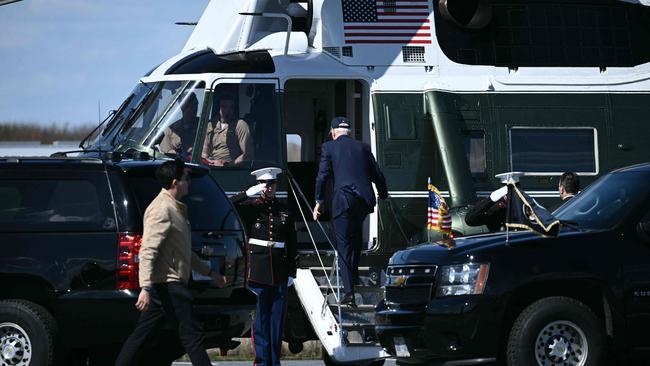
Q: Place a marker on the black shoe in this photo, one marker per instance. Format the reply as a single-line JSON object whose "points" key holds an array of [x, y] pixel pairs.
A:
{"points": [[348, 300]]}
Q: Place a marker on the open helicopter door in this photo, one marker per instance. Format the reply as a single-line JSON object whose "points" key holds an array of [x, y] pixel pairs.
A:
{"points": [[346, 333], [309, 108]]}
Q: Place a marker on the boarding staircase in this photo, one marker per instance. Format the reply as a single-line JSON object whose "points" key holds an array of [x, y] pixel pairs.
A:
{"points": [[346, 333]]}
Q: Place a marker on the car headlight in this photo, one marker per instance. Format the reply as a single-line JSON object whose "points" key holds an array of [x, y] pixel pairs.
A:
{"points": [[463, 279]]}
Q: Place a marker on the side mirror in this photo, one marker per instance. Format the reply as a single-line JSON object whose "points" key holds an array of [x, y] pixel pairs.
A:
{"points": [[471, 14]]}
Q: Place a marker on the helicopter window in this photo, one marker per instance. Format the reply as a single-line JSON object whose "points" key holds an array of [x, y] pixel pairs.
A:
{"points": [[401, 123], [474, 142], [294, 148], [243, 126], [143, 122], [176, 133], [552, 151]]}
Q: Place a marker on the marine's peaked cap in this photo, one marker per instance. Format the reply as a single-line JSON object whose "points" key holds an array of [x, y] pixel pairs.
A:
{"points": [[510, 177], [270, 173]]}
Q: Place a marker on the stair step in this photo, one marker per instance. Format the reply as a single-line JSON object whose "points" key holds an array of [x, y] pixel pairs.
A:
{"points": [[349, 326], [357, 309], [329, 269], [356, 287], [360, 337]]}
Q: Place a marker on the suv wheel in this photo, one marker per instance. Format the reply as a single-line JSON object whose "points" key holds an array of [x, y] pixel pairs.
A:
{"points": [[556, 331], [26, 334]]}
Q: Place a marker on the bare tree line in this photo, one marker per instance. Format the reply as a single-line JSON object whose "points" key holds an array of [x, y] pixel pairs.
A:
{"points": [[46, 134]]}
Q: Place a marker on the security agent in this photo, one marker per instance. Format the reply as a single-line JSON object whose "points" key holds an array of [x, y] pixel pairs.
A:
{"points": [[491, 211], [272, 261], [568, 187], [353, 168]]}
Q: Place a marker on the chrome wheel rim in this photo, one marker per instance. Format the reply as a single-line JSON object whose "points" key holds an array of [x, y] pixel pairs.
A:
{"points": [[15, 345], [561, 343]]}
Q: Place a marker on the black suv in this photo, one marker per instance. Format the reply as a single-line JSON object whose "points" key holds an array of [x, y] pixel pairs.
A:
{"points": [[70, 231], [524, 299]]}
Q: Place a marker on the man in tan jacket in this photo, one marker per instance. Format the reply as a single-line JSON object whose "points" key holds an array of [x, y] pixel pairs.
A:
{"points": [[166, 260]]}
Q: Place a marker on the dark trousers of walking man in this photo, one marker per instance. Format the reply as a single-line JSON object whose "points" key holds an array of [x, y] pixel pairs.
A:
{"points": [[349, 237], [169, 302]]}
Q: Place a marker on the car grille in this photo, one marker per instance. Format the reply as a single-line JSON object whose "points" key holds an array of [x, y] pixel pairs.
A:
{"points": [[410, 285]]}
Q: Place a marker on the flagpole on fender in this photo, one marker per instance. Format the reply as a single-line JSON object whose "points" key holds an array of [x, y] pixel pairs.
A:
{"points": [[428, 205], [509, 195]]}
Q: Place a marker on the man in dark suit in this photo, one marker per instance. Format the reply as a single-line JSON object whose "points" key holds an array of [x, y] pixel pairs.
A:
{"points": [[353, 168], [568, 187]]}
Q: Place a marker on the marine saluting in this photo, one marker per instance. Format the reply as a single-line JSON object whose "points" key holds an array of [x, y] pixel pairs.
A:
{"points": [[272, 260]]}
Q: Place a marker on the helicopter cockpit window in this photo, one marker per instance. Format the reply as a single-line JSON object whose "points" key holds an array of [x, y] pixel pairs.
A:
{"points": [[162, 100], [176, 132], [243, 126]]}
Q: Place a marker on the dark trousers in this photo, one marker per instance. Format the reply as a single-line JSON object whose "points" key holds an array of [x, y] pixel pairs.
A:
{"points": [[269, 323], [349, 234], [169, 302]]}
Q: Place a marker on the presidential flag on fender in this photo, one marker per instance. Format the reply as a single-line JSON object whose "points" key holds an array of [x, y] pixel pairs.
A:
{"points": [[438, 217], [525, 213]]}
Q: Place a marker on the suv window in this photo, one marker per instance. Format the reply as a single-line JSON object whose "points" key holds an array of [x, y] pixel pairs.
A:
{"points": [[606, 202], [54, 205], [208, 206]]}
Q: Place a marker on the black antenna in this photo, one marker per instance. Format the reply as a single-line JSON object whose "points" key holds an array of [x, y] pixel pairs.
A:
{"points": [[186, 23]]}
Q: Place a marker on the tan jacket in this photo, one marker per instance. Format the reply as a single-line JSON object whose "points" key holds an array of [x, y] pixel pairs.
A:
{"points": [[166, 254]]}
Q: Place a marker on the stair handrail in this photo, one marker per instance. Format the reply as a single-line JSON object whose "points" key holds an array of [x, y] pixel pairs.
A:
{"points": [[294, 186]]}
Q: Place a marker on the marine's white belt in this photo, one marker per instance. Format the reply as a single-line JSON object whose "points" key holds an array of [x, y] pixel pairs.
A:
{"points": [[266, 243]]}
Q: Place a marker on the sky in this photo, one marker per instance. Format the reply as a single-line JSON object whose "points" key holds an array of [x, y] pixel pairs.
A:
{"points": [[60, 58]]}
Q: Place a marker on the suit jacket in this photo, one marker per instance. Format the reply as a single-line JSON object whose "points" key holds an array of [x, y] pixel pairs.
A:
{"points": [[166, 254], [557, 205], [353, 168]]}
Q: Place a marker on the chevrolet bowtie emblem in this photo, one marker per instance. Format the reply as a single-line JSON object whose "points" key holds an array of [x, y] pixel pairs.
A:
{"points": [[400, 281]]}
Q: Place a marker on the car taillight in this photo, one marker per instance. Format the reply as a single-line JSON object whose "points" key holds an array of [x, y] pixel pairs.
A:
{"points": [[127, 261]]}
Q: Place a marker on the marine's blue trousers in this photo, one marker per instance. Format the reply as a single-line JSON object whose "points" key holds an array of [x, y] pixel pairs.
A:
{"points": [[269, 323]]}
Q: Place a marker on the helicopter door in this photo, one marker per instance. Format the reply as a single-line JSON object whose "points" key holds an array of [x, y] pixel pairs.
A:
{"points": [[310, 106]]}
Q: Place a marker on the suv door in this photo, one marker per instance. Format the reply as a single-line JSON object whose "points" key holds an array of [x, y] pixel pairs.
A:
{"points": [[59, 224], [57, 227], [637, 282]]}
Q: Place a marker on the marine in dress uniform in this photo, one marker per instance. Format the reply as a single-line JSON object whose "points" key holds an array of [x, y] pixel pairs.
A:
{"points": [[272, 260], [491, 211]]}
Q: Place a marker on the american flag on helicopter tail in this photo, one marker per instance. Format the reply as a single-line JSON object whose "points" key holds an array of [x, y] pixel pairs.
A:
{"points": [[386, 21], [439, 218]]}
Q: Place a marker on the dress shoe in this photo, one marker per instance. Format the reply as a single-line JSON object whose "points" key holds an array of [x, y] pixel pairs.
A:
{"points": [[348, 300]]}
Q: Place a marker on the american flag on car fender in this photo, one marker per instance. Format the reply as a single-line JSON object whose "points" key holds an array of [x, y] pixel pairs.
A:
{"points": [[386, 21], [439, 218]]}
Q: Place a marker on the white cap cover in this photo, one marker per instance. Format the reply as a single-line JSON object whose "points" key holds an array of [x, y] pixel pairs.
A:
{"points": [[266, 173], [510, 177]]}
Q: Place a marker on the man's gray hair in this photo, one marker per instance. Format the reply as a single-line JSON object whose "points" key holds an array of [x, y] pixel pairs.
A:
{"points": [[345, 131]]}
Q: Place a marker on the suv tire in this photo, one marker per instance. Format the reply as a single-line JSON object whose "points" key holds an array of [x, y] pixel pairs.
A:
{"points": [[27, 333], [556, 330]]}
